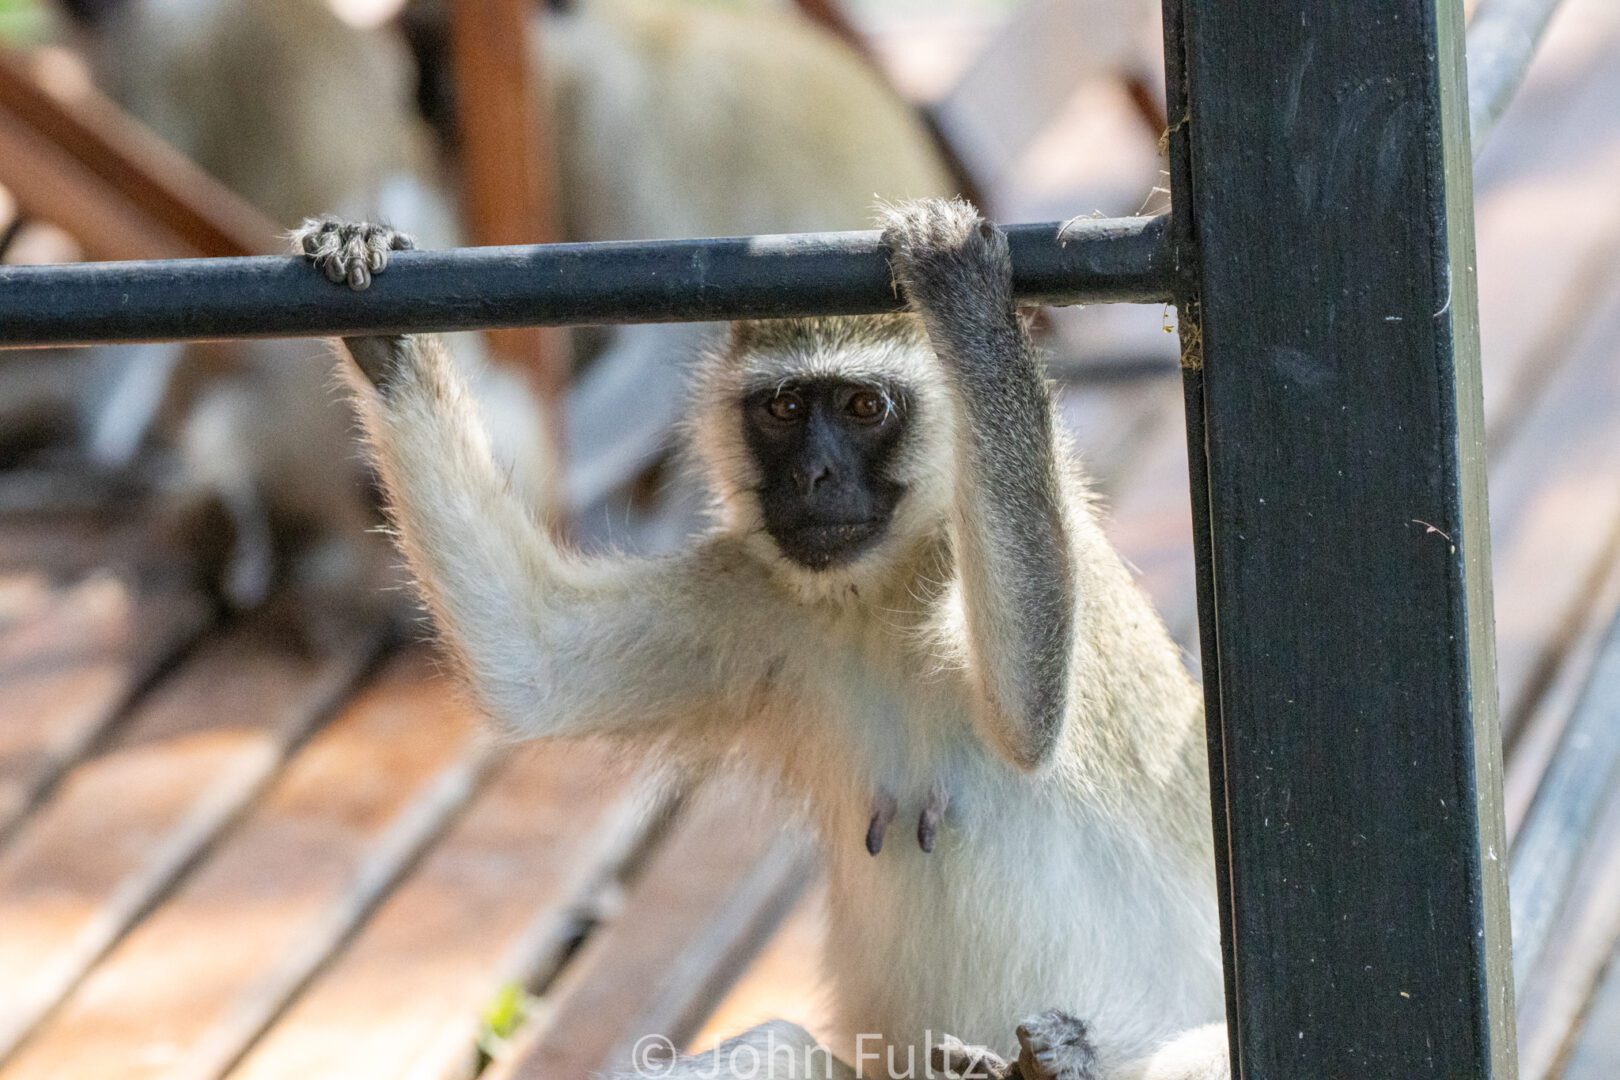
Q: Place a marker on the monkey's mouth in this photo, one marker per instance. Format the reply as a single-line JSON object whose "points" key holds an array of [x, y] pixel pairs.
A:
{"points": [[821, 545]]}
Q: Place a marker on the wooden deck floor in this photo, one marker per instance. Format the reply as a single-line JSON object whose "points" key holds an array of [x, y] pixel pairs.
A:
{"points": [[224, 852]]}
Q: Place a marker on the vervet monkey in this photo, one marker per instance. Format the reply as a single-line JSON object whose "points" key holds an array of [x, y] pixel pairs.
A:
{"points": [[671, 119], [299, 112], [908, 616]]}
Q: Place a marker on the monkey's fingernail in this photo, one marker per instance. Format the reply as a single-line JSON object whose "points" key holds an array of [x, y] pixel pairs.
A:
{"points": [[359, 276], [883, 810], [934, 812], [334, 270]]}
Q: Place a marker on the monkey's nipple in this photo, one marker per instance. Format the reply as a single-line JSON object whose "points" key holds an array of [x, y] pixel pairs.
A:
{"points": [[939, 800], [883, 810]]}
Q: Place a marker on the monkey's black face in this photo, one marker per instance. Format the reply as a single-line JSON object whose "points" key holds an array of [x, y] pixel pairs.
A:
{"points": [[823, 448]]}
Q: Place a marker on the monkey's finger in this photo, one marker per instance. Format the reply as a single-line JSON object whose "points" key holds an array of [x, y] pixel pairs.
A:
{"points": [[336, 272], [378, 242], [359, 277]]}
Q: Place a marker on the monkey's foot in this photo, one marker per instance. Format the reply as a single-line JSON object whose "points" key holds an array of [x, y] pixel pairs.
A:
{"points": [[1054, 1046], [349, 251], [959, 1061]]}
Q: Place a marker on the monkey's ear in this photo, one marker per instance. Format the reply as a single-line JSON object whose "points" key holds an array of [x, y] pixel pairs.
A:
{"points": [[91, 13]]}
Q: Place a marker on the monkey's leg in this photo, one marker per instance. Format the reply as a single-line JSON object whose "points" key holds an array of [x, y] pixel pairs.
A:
{"points": [[1201, 1053]]}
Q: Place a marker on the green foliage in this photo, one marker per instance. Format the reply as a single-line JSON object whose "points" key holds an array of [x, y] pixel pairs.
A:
{"points": [[23, 22], [502, 1018]]}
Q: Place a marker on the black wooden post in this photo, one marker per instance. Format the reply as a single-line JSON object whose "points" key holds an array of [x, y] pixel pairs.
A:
{"points": [[1324, 230]]}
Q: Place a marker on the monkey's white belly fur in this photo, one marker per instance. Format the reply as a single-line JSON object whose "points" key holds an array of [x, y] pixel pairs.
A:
{"points": [[1034, 897]]}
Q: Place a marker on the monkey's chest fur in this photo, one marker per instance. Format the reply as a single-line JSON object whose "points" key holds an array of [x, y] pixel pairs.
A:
{"points": [[1038, 892]]}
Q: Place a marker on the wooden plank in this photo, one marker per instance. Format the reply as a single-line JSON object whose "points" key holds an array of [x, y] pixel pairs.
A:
{"points": [[1329, 316], [1028, 71], [706, 903], [69, 672], [1595, 1052], [496, 903], [71, 156], [508, 174], [59, 546], [55, 188], [1556, 513], [783, 982], [188, 991], [1558, 149], [1559, 830], [1540, 737], [1502, 40], [1554, 997], [125, 825], [196, 983]]}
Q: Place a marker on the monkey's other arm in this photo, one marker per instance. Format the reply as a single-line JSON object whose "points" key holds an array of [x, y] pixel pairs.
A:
{"points": [[549, 642], [1010, 532]]}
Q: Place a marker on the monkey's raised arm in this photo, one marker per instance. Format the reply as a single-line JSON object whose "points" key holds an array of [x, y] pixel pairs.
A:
{"points": [[1009, 529], [547, 641]]}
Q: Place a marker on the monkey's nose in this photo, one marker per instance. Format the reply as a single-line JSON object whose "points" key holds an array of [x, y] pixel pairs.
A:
{"points": [[812, 474]]}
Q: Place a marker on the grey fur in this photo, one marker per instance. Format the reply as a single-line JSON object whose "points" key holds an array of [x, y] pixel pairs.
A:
{"points": [[954, 267]]}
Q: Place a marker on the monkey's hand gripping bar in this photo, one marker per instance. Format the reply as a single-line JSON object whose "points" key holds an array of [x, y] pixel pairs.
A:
{"points": [[759, 277]]}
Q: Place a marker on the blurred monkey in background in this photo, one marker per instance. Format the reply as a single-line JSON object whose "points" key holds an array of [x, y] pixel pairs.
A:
{"points": [[669, 119], [300, 113]]}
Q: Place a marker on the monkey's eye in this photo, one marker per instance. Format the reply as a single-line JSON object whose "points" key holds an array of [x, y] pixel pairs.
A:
{"points": [[867, 405], [786, 407]]}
